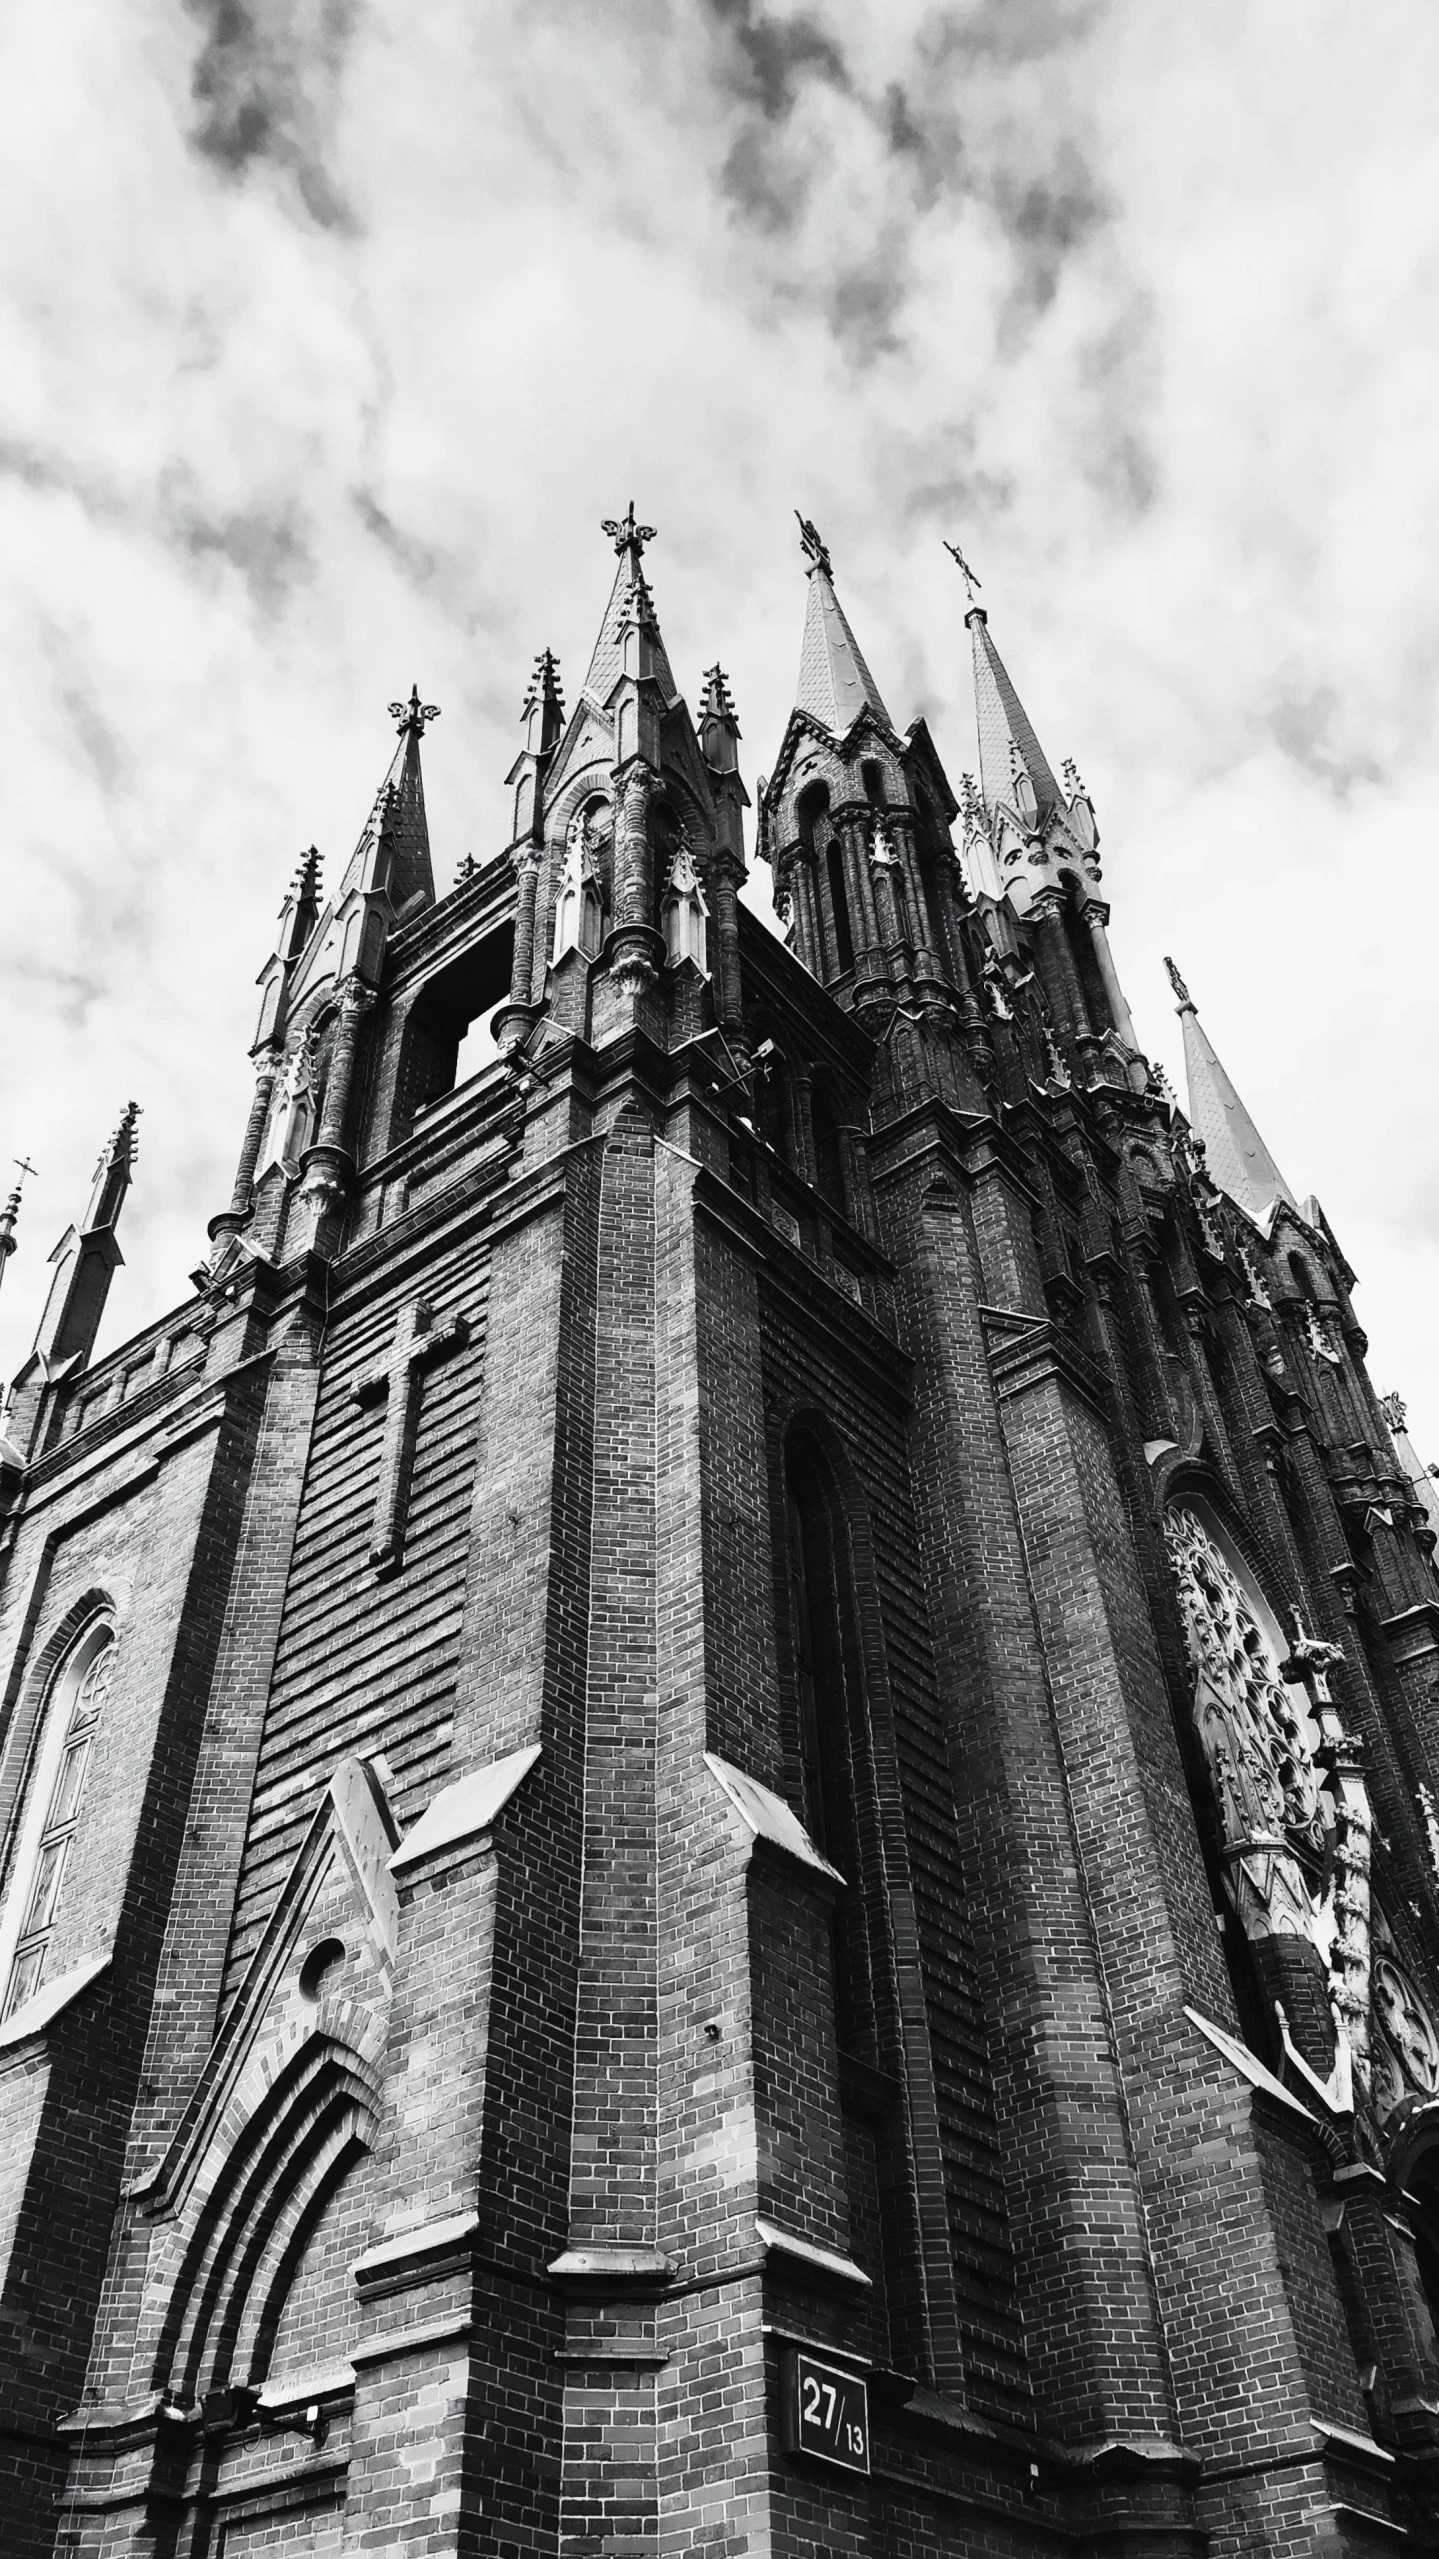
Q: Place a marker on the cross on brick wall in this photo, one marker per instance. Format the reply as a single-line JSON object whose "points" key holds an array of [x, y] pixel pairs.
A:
{"points": [[419, 1342]]}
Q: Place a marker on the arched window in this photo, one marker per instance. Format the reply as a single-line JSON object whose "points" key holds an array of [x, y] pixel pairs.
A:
{"points": [[51, 1812]]}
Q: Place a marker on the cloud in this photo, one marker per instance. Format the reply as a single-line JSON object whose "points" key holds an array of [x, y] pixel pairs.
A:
{"points": [[265, 87]]}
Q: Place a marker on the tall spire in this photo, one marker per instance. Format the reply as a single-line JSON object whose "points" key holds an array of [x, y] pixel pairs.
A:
{"points": [[1009, 750], [631, 607], [1236, 1154], [835, 685]]}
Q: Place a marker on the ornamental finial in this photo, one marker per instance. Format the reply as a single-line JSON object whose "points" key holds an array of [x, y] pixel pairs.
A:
{"points": [[626, 535], [813, 544], [965, 571], [413, 715]]}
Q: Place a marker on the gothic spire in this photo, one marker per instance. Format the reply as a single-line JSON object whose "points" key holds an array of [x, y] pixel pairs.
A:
{"points": [[631, 607], [835, 685], [1237, 1157], [1009, 751]]}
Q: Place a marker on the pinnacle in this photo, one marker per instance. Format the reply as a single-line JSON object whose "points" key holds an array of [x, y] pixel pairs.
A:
{"points": [[716, 702], [630, 602]]}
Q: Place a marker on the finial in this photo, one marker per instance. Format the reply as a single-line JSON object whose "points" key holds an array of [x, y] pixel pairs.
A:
{"points": [[413, 715], [1186, 1000], [626, 535], [1393, 1408], [544, 683], [11, 1211], [965, 571], [813, 544], [466, 871], [307, 876]]}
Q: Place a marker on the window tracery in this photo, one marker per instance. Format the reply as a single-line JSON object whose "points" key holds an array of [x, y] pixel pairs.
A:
{"points": [[51, 1816]]}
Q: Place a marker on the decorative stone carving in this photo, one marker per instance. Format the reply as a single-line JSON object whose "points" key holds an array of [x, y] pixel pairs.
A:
{"points": [[684, 916], [1275, 1818], [1289, 1784], [1406, 2058]]}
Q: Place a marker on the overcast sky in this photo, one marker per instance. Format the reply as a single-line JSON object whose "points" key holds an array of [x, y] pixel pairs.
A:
{"points": [[331, 331]]}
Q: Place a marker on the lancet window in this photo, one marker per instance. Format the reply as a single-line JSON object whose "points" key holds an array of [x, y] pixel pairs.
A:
{"points": [[51, 1813]]}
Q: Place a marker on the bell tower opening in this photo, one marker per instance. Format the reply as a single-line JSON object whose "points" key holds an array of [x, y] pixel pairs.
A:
{"points": [[447, 1038]]}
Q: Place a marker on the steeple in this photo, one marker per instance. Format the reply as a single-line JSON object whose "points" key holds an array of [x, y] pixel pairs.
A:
{"points": [[835, 685], [1036, 831], [631, 611], [1237, 1156]]}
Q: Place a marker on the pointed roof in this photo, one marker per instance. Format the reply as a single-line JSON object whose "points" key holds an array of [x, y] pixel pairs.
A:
{"points": [[399, 811], [834, 685], [630, 601], [1006, 734], [1237, 1157]]}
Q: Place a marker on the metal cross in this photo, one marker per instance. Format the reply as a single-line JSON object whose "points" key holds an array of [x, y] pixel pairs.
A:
{"points": [[412, 715], [419, 1342], [813, 544], [626, 535], [965, 571], [23, 1166]]}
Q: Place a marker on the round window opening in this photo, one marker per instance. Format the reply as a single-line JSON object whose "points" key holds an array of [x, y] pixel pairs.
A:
{"points": [[319, 1964]]}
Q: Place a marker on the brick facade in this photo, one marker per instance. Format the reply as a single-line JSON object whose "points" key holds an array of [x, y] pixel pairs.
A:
{"points": [[658, 1808]]}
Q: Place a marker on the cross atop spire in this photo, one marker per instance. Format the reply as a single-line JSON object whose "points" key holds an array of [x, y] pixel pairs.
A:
{"points": [[813, 544], [1237, 1157], [965, 571], [413, 716], [627, 536], [1186, 1000]]}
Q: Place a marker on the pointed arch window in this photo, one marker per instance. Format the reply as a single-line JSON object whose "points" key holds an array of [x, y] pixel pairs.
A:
{"points": [[839, 906], [51, 1813]]}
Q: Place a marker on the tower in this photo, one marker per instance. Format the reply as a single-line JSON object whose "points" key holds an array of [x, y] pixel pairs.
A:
{"points": [[718, 1787]]}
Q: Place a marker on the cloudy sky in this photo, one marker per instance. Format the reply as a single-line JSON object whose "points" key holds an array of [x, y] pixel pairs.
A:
{"points": [[331, 331]]}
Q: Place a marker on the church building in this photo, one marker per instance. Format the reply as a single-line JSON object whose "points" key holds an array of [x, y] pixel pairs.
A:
{"points": [[719, 1779]]}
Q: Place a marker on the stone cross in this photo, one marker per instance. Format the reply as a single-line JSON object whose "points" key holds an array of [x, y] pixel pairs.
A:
{"points": [[419, 1342]]}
